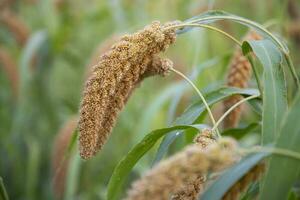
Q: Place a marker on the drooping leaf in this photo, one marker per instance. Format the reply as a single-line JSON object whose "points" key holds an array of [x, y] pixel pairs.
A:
{"points": [[195, 111], [217, 15], [217, 190], [284, 171], [274, 92], [127, 163]]}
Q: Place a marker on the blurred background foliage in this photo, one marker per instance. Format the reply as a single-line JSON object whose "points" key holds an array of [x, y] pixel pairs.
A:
{"points": [[47, 48]]}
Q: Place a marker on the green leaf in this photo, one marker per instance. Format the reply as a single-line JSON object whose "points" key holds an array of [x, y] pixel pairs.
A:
{"points": [[238, 133], [275, 93], [127, 163], [256, 105], [217, 15], [217, 190], [283, 171], [195, 111], [3, 193]]}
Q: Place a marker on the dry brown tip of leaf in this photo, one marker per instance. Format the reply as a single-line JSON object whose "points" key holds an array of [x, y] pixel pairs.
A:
{"points": [[16, 26], [114, 78], [59, 160], [238, 76], [242, 185], [10, 69], [166, 179]]}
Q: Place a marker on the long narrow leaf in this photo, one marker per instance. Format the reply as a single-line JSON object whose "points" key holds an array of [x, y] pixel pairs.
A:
{"points": [[217, 15], [238, 133], [284, 171], [275, 93], [127, 163], [217, 190]]}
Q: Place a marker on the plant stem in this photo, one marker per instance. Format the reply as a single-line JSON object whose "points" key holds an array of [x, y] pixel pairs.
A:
{"points": [[182, 25], [201, 96], [232, 108], [278, 151]]}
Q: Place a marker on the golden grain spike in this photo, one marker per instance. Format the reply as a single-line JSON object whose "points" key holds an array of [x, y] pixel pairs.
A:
{"points": [[103, 47], [238, 76], [15, 25], [60, 161], [112, 81], [242, 185], [169, 176]]}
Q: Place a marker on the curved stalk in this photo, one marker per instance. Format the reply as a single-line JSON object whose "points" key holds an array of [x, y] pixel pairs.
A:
{"points": [[182, 25], [245, 21], [232, 108], [201, 96]]}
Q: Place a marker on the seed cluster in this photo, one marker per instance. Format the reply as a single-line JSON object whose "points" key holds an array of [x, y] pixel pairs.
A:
{"points": [[59, 160], [103, 47], [238, 76], [194, 188], [118, 72], [241, 186], [167, 179]]}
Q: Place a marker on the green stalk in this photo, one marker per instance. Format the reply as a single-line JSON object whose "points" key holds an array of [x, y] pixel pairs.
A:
{"points": [[201, 97]]}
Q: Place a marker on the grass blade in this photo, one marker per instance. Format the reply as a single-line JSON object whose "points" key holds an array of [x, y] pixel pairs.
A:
{"points": [[275, 93], [277, 182], [217, 15], [238, 133], [217, 190], [127, 163]]}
